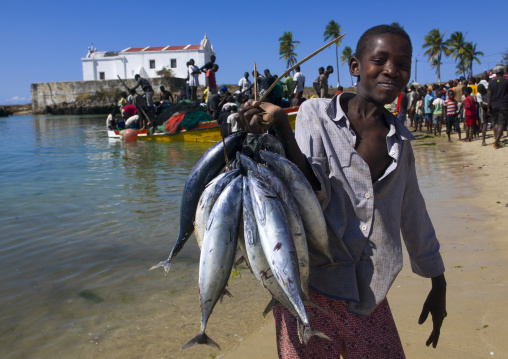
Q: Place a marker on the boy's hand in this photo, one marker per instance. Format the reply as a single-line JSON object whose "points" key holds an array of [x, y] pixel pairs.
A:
{"points": [[256, 117], [436, 306]]}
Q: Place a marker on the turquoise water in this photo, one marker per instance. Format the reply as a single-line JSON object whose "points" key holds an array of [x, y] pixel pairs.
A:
{"points": [[84, 217]]}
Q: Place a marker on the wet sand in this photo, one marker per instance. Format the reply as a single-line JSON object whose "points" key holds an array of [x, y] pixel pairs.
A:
{"points": [[469, 207]]}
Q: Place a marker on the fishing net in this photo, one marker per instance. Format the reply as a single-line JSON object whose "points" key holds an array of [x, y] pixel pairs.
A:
{"points": [[186, 120]]}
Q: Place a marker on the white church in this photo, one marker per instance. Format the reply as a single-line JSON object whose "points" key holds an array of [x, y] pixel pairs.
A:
{"points": [[145, 61]]}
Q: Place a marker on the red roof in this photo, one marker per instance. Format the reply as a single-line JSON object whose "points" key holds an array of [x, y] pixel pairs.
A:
{"points": [[134, 49], [156, 48], [163, 48]]}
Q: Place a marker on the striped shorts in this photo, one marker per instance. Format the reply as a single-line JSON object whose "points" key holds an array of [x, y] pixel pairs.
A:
{"points": [[353, 337]]}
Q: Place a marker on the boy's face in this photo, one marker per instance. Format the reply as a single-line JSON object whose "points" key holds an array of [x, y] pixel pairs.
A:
{"points": [[451, 95], [384, 68]]}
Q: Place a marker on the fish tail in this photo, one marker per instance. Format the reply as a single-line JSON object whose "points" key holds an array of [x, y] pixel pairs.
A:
{"points": [[201, 338], [310, 303], [166, 264], [308, 332]]}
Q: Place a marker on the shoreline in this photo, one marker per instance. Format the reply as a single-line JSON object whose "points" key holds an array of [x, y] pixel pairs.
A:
{"points": [[475, 252]]}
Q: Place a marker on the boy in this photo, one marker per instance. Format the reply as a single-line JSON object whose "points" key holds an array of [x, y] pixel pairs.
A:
{"points": [[428, 111], [437, 112], [450, 111], [469, 105], [353, 151]]}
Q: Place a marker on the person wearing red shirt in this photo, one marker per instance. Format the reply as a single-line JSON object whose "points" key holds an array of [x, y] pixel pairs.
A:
{"points": [[210, 79]]}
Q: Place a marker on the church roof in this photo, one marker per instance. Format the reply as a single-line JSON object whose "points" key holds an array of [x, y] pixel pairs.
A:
{"points": [[161, 48]]}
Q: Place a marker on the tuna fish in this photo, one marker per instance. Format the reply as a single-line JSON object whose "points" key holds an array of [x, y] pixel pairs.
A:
{"points": [[267, 142], [294, 222], [254, 251], [277, 242], [217, 255], [305, 198], [208, 199], [205, 169]]}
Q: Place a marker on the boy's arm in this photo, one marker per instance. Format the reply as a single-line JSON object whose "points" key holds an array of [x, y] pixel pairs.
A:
{"points": [[423, 248]]}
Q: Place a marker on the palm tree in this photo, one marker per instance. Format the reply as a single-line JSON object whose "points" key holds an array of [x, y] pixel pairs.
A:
{"points": [[332, 31], [470, 55], [435, 64], [455, 45], [396, 24], [287, 48], [347, 53], [461, 68], [436, 46]]}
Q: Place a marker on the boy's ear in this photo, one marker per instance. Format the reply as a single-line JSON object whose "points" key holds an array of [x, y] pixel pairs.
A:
{"points": [[354, 67]]}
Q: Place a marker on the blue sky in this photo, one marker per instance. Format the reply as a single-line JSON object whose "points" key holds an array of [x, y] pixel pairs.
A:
{"points": [[45, 41]]}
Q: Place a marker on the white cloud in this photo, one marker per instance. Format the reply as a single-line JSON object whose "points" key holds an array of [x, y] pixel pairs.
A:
{"points": [[16, 100]]}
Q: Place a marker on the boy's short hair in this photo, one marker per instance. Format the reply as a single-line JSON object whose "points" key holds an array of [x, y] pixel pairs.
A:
{"points": [[380, 30]]}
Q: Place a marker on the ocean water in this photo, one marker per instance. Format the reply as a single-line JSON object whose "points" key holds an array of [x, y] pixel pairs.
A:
{"points": [[84, 217]]}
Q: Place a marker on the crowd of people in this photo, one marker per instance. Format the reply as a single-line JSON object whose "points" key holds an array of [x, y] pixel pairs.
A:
{"points": [[479, 104]]}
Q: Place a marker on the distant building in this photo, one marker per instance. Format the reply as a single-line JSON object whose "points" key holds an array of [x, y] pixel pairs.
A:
{"points": [[145, 61]]}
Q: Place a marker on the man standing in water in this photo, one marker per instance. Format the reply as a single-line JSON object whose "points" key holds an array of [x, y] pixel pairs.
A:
{"points": [[359, 160]]}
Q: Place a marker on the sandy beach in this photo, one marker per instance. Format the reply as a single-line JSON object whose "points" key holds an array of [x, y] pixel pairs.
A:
{"points": [[472, 232]]}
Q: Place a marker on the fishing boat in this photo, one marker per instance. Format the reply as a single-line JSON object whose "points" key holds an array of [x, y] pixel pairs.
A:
{"points": [[206, 131]]}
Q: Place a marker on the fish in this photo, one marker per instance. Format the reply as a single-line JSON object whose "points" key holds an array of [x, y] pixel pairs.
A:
{"points": [[207, 200], [278, 247], [267, 142], [205, 169], [217, 255], [295, 225], [308, 205], [257, 259]]}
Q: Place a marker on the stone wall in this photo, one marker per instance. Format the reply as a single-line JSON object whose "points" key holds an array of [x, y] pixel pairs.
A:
{"points": [[55, 93]]}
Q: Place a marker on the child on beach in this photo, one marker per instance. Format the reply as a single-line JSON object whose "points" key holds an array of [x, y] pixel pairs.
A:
{"points": [[359, 160], [469, 104], [450, 111], [437, 112], [419, 112], [428, 111]]}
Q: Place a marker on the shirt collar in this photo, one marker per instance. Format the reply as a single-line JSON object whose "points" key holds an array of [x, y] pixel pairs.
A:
{"points": [[336, 114]]}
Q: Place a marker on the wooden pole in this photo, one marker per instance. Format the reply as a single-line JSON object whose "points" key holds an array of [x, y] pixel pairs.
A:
{"points": [[298, 64]]}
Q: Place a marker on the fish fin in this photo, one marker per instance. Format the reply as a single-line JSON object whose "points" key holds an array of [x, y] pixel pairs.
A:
{"points": [[269, 307], [308, 332], [240, 260], [310, 303], [201, 338], [225, 292], [166, 264]]}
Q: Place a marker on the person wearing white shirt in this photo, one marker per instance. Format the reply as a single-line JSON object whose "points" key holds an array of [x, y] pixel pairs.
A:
{"points": [[245, 84], [299, 80], [193, 80]]}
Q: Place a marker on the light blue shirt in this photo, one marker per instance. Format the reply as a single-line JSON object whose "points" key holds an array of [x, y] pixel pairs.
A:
{"points": [[364, 219], [427, 102]]}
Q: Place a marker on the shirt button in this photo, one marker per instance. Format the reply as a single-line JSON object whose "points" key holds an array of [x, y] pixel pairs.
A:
{"points": [[367, 195], [392, 153], [364, 228]]}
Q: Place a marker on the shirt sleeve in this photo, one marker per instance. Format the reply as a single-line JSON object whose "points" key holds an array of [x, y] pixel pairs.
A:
{"points": [[310, 142], [417, 229]]}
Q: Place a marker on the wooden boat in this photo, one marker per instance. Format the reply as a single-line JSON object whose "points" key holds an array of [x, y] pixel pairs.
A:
{"points": [[205, 132]]}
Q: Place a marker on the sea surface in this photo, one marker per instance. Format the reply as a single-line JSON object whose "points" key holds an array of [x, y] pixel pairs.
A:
{"points": [[82, 220]]}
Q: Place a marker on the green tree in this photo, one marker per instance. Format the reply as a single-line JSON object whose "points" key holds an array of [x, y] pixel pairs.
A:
{"points": [[504, 61], [396, 24], [167, 75], [347, 53], [461, 68], [436, 46], [287, 48], [471, 55], [332, 31], [455, 45]]}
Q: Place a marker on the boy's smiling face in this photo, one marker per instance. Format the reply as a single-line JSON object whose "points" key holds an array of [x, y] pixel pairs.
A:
{"points": [[383, 69]]}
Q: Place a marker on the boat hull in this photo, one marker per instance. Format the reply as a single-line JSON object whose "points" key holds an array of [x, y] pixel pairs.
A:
{"points": [[207, 132]]}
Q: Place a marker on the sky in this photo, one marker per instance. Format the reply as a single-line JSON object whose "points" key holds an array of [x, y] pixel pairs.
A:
{"points": [[45, 41]]}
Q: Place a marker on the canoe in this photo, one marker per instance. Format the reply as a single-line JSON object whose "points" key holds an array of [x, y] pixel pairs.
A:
{"points": [[205, 132]]}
